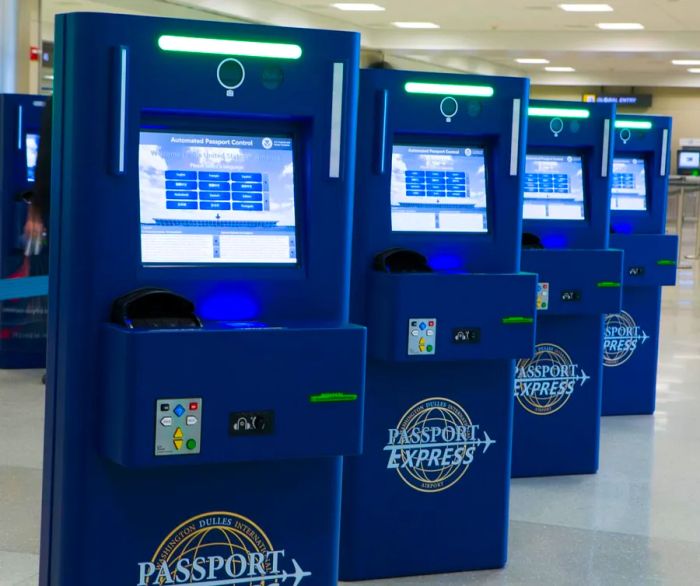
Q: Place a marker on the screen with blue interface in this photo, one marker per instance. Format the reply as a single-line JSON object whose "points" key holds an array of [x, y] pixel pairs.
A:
{"points": [[629, 185], [438, 189], [553, 188], [31, 144], [216, 199]]}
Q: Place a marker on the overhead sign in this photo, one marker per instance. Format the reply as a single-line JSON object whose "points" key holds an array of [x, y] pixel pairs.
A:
{"points": [[629, 100]]}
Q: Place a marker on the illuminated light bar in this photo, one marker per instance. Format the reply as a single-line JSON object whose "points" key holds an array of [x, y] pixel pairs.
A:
{"points": [[449, 89], [229, 47], [634, 124], [559, 112]]}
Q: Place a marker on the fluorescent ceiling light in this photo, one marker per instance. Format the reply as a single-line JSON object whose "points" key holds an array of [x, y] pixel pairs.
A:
{"points": [[532, 61], [694, 70], [558, 112], [358, 7], [620, 26], [560, 69], [686, 61], [449, 89], [415, 25], [228, 47], [586, 7]]}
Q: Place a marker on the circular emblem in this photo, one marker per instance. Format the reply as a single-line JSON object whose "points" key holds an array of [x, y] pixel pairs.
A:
{"points": [[622, 337], [267, 143], [545, 382], [433, 445]]}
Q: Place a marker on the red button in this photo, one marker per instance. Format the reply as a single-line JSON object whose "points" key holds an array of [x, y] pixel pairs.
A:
{"points": [[194, 406], [431, 323]]}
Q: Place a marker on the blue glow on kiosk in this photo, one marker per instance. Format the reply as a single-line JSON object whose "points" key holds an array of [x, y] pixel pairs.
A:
{"points": [[22, 321], [566, 229], [195, 429], [435, 280], [639, 200]]}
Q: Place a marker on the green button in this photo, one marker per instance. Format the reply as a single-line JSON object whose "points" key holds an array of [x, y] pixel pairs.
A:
{"points": [[430, 348], [191, 444]]}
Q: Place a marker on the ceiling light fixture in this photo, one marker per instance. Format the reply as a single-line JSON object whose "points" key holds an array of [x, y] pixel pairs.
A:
{"points": [[358, 7], [620, 26], [532, 61], [560, 69], [686, 62], [586, 7], [694, 70], [415, 25]]}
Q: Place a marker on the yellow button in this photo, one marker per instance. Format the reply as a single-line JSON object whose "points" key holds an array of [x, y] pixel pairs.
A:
{"points": [[421, 344], [178, 443], [178, 433]]}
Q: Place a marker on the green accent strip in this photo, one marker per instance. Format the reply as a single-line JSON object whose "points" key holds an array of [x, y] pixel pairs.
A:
{"points": [[517, 320], [333, 398], [449, 89], [609, 285], [558, 112], [634, 124], [666, 263], [228, 47]]}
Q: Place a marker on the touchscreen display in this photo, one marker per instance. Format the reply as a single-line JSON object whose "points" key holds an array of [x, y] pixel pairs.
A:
{"points": [[629, 185], [213, 198], [438, 189], [553, 188]]}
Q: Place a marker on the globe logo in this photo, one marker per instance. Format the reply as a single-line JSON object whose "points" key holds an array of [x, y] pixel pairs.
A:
{"points": [[218, 548], [434, 444], [546, 382], [622, 338]]}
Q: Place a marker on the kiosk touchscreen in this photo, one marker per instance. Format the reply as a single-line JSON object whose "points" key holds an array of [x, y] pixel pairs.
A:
{"points": [[638, 224], [435, 280], [22, 321], [566, 226], [203, 378]]}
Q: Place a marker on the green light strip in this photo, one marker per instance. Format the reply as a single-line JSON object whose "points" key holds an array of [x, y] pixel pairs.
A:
{"points": [[517, 320], [333, 398], [449, 89], [666, 263], [609, 285], [228, 47], [558, 112], [634, 124]]}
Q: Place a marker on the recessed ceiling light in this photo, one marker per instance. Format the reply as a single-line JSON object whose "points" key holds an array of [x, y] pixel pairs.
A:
{"points": [[694, 70], [532, 61], [415, 25], [620, 26], [586, 7], [560, 69], [686, 62], [358, 7]]}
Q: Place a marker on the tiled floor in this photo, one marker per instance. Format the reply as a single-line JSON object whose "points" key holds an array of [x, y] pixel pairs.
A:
{"points": [[635, 523]]}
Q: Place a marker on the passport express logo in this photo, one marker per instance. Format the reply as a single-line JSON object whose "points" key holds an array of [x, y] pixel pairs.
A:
{"points": [[219, 549], [622, 337], [434, 444], [545, 382]]}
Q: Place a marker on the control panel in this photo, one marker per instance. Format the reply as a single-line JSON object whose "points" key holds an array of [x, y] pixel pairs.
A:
{"points": [[422, 335], [542, 296], [178, 426]]}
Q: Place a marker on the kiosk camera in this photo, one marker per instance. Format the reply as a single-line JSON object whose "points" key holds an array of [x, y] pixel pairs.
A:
{"points": [[638, 222], [22, 321], [203, 379], [435, 280], [566, 224]]}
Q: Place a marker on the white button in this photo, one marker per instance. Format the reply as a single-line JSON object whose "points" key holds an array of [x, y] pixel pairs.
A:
{"points": [[414, 333], [166, 421], [191, 420], [430, 333]]}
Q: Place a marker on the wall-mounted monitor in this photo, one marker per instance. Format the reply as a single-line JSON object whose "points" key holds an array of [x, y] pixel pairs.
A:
{"points": [[439, 188], [629, 185], [554, 187], [214, 198], [688, 162], [31, 145]]}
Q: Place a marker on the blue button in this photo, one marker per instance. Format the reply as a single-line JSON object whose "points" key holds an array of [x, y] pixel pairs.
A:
{"points": [[187, 175], [180, 205], [215, 195], [248, 207], [214, 186], [246, 186], [422, 325], [179, 410], [247, 196], [214, 205], [181, 185], [254, 177], [213, 176]]}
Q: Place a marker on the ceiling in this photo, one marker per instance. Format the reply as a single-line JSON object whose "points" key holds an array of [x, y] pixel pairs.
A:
{"points": [[483, 36]]}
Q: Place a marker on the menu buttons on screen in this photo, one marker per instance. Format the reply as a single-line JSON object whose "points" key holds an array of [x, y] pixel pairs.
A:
{"points": [[214, 176], [181, 205], [187, 175]]}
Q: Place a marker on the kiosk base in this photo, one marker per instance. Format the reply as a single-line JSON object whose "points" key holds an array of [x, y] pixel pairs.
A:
{"points": [[430, 493]]}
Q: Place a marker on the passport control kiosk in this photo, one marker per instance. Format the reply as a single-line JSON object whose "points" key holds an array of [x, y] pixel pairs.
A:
{"points": [[22, 321], [203, 378], [638, 222], [435, 280], [566, 226]]}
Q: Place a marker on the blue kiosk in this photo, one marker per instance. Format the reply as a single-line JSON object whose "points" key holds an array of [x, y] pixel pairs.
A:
{"points": [[638, 224], [566, 226], [435, 279], [203, 380], [22, 320]]}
